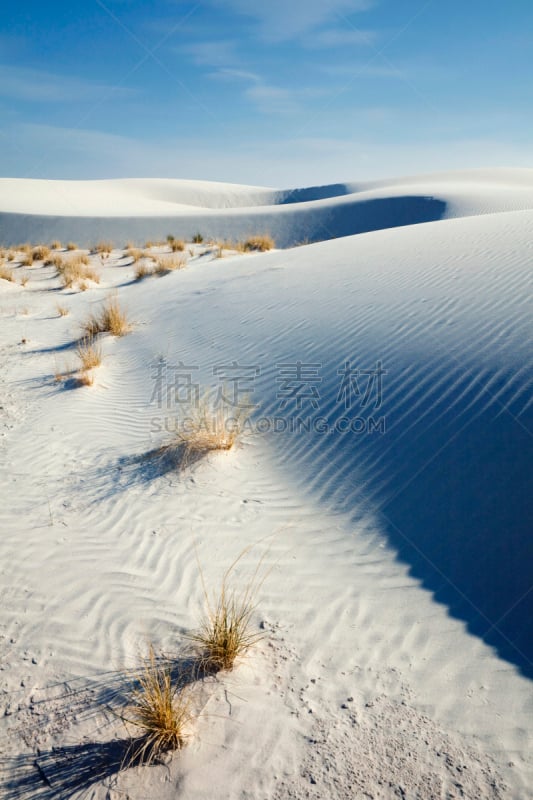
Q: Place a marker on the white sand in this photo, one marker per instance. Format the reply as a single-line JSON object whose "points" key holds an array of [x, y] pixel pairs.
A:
{"points": [[397, 655]]}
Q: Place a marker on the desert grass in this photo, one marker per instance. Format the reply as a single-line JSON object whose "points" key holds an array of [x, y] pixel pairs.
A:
{"points": [[56, 245], [159, 710], [71, 246], [110, 319], [260, 243], [167, 264], [76, 271], [135, 253], [85, 379], [41, 252], [209, 427], [27, 260], [142, 271], [197, 238], [177, 245], [63, 311], [10, 256], [89, 353], [24, 280], [6, 274], [226, 630], [54, 260], [104, 248]]}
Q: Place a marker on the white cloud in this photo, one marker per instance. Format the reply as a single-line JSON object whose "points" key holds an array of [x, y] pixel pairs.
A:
{"points": [[279, 20], [35, 85], [212, 53]]}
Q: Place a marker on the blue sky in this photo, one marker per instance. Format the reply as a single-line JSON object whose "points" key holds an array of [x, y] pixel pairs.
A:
{"points": [[278, 92]]}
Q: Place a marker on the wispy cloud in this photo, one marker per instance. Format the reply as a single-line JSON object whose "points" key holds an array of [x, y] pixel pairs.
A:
{"points": [[35, 85], [212, 53], [279, 20]]}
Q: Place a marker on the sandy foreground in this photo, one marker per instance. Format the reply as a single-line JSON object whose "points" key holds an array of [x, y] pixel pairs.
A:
{"points": [[394, 523]]}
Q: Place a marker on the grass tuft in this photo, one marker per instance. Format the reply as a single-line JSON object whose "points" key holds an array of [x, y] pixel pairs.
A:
{"points": [[168, 264], [142, 271], [197, 238], [89, 352], [159, 710], [177, 245], [63, 311], [56, 245], [111, 319], [210, 428], [72, 246], [76, 271], [259, 243], [225, 632], [41, 252], [6, 274], [104, 247]]}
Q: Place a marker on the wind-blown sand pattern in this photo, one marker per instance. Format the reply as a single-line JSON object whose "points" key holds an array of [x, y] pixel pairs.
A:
{"points": [[398, 648]]}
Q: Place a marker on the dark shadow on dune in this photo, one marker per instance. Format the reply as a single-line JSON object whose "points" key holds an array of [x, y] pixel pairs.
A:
{"points": [[58, 773], [288, 222], [289, 196], [451, 486], [464, 526]]}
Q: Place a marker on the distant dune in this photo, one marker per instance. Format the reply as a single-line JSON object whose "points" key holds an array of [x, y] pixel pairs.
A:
{"points": [[139, 209]]}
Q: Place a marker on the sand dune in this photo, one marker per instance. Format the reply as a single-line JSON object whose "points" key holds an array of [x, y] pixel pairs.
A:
{"points": [[146, 209], [397, 658]]}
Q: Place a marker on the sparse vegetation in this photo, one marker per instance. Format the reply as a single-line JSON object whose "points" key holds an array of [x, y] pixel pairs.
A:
{"points": [[104, 248], [63, 311], [197, 238], [72, 246], [225, 631], [259, 243], [160, 710], [89, 352], [135, 253], [27, 261], [168, 264], [177, 245], [56, 245], [6, 274], [111, 319], [55, 260], [41, 252], [210, 427], [10, 256], [24, 280], [142, 271], [75, 271]]}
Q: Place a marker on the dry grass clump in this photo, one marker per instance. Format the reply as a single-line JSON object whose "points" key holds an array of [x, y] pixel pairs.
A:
{"points": [[54, 260], [89, 352], [135, 253], [259, 243], [104, 247], [56, 245], [142, 271], [76, 271], [24, 280], [71, 246], [10, 256], [160, 710], [24, 248], [197, 238], [41, 252], [63, 311], [111, 319], [85, 379], [6, 274], [177, 245], [225, 631], [208, 428], [168, 264], [27, 261]]}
